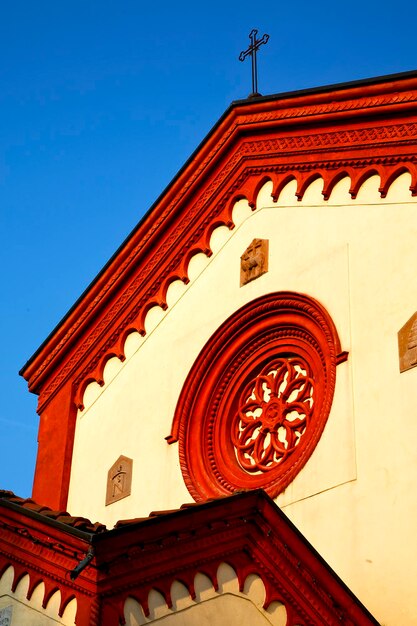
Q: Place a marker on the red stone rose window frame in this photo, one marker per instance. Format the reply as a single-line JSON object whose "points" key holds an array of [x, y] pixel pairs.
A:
{"points": [[257, 398]]}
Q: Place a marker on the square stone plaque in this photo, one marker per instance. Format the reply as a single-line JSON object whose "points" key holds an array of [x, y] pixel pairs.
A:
{"points": [[119, 480], [254, 261], [6, 616], [407, 344]]}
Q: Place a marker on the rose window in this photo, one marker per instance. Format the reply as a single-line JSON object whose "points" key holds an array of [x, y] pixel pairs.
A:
{"points": [[256, 401], [273, 414]]}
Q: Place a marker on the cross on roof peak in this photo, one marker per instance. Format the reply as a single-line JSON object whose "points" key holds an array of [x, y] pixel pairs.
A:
{"points": [[254, 46]]}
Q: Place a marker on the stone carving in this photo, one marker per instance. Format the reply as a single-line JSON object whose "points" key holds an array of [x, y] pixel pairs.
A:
{"points": [[256, 401], [6, 616], [119, 480], [274, 411], [407, 344], [254, 261]]}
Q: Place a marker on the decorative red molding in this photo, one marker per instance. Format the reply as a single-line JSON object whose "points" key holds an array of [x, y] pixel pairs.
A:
{"points": [[257, 398], [247, 531], [274, 413], [354, 130], [113, 346], [46, 552]]}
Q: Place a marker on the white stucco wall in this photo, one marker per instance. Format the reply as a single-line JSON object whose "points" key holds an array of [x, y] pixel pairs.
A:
{"points": [[355, 498]]}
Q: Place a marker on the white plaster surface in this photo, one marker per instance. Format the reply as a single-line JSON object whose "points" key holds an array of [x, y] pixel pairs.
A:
{"points": [[355, 498], [225, 610], [225, 607]]}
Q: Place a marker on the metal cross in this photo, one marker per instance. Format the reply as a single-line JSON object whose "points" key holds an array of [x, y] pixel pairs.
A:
{"points": [[252, 50]]}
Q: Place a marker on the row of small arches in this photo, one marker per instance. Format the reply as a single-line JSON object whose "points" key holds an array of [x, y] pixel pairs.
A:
{"points": [[33, 594], [369, 192], [181, 600], [156, 607]]}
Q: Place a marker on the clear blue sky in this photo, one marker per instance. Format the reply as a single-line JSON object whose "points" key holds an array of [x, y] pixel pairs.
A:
{"points": [[101, 103]]}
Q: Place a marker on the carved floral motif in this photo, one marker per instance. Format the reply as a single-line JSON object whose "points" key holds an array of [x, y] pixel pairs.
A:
{"points": [[274, 412]]}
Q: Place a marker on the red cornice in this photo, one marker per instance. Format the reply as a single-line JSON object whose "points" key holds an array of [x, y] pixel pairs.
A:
{"points": [[47, 553], [246, 530]]}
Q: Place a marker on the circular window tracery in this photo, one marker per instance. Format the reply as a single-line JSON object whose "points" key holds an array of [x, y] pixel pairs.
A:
{"points": [[274, 411], [257, 398]]}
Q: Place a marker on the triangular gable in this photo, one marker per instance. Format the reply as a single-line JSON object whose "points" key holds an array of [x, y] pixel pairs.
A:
{"points": [[139, 558], [352, 130]]}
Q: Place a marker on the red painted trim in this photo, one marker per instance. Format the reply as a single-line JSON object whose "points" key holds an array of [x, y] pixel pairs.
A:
{"points": [[46, 554], [253, 537], [55, 445], [305, 181], [390, 174], [356, 129]]}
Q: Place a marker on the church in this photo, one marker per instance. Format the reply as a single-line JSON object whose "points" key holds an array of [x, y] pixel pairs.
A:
{"points": [[228, 412]]}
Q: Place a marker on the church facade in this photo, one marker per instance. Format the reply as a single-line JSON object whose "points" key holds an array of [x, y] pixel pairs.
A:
{"points": [[253, 343]]}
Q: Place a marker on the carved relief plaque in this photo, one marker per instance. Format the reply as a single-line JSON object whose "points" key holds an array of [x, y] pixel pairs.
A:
{"points": [[119, 480], [407, 344], [254, 261], [6, 616]]}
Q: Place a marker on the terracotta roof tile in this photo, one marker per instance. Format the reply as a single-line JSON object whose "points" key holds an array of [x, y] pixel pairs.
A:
{"points": [[188, 505], [126, 522], [81, 523], [161, 513]]}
